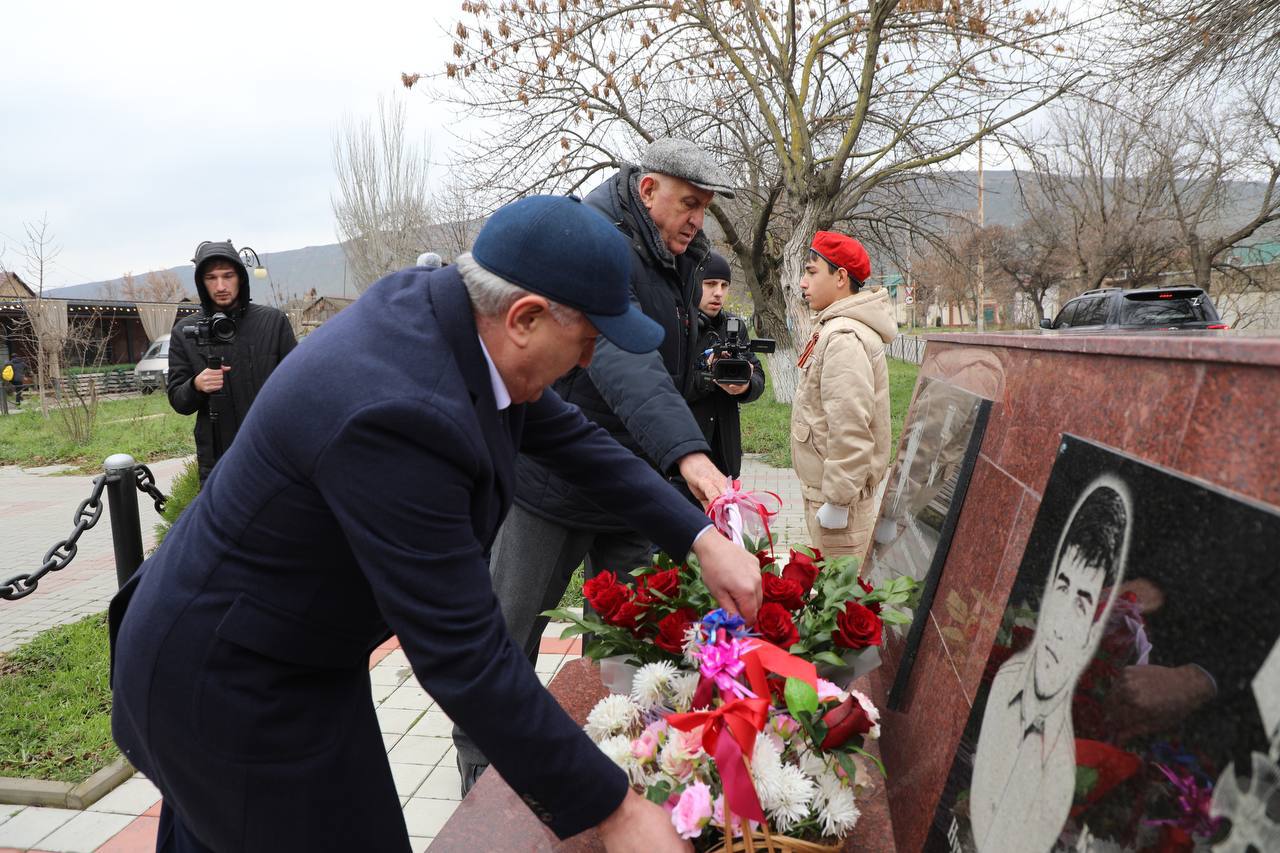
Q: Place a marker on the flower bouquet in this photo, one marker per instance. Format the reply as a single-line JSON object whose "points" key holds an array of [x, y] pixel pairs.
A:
{"points": [[816, 608], [742, 740]]}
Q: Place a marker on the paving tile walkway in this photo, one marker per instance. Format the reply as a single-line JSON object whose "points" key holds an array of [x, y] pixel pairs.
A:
{"points": [[36, 509], [415, 731]]}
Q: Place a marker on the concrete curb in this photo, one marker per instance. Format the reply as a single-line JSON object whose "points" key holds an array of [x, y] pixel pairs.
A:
{"points": [[66, 795]]}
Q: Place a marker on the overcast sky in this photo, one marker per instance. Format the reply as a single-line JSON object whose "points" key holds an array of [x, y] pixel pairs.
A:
{"points": [[142, 128]]}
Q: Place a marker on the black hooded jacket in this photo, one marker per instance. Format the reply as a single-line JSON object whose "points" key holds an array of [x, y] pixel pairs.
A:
{"points": [[263, 338], [638, 399]]}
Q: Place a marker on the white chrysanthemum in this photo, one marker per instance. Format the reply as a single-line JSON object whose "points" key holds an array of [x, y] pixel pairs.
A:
{"points": [[692, 636], [810, 763], [652, 684], [618, 749], [683, 686], [838, 811], [824, 777], [795, 798], [766, 772], [612, 715]]}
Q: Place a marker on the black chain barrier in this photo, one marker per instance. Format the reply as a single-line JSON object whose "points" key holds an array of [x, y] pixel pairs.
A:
{"points": [[57, 557], [147, 483], [87, 515]]}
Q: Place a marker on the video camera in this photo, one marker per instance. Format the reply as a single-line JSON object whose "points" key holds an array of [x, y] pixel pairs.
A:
{"points": [[731, 367], [215, 329]]}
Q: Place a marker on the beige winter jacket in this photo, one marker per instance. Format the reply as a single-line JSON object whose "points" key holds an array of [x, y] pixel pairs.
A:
{"points": [[840, 414]]}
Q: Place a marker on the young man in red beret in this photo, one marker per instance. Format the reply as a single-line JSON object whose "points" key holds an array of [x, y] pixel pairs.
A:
{"points": [[840, 415]]}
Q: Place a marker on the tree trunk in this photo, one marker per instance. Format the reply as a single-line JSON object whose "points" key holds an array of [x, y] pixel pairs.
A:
{"points": [[795, 252]]}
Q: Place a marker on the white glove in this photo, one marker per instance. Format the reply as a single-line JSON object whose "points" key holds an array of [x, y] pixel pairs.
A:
{"points": [[833, 517]]}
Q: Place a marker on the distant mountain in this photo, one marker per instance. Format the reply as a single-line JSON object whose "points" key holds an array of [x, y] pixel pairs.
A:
{"points": [[290, 274], [295, 272]]}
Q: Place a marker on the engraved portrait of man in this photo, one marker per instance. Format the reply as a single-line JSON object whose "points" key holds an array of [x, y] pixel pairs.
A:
{"points": [[1024, 768]]}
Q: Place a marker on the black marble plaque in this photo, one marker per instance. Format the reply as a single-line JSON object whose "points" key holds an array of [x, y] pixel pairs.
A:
{"points": [[1131, 700], [936, 455]]}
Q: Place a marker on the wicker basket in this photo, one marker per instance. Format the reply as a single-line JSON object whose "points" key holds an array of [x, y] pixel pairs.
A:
{"points": [[758, 842]]}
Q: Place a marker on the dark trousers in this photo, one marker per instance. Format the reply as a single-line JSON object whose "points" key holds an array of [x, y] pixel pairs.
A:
{"points": [[531, 563]]}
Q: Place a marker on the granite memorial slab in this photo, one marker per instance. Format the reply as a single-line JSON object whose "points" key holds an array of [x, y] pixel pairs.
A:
{"points": [[926, 489], [1131, 699]]}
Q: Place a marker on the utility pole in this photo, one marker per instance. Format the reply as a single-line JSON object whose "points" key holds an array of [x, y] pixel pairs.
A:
{"points": [[982, 222]]}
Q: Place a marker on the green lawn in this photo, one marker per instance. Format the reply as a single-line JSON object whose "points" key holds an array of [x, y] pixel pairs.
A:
{"points": [[766, 425], [55, 705], [144, 427]]}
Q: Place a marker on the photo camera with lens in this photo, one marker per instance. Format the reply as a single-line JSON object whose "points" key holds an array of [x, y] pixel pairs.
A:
{"points": [[215, 329], [731, 366]]}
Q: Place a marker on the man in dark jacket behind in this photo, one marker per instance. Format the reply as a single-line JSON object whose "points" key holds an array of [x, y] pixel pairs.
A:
{"points": [[715, 404], [221, 396], [638, 399]]}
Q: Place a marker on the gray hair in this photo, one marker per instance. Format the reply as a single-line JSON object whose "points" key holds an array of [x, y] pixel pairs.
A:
{"points": [[493, 296]]}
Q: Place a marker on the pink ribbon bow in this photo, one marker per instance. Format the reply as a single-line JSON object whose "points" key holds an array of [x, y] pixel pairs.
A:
{"points": [[728, 509]]}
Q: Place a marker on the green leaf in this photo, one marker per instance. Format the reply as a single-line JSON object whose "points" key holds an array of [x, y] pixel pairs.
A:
{"points": [[894, 617], [659, 792], [1086, 778], [800, 697], [879, 764], [829, 657], [572, 631], [846, 764]]}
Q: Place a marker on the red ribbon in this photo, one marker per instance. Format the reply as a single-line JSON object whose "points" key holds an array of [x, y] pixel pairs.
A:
{"points": [[763, 657], [747, 502], [729, 735]]}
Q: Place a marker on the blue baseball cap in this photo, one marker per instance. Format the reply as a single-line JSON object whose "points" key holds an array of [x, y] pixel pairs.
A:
{"points": [[559, 248]]}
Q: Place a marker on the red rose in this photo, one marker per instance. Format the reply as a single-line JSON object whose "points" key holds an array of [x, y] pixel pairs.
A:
{"points": [[604, 593], [844, 721], [627, 615], [874, 606], [857, 627], [765, 559], [666, 582], [673, 627], [785, 591], [775, 625], [802, 568]]}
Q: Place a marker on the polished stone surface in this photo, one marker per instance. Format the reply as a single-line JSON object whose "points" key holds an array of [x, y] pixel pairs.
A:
{"points": [[925, 491], [1203, 404], [1151, 666]]}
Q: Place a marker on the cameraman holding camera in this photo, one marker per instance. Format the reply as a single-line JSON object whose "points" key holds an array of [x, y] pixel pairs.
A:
{"points": [[713, 395], [220, 358]]}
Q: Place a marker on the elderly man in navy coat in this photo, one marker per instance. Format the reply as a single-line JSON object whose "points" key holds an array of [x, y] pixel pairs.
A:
{"points": [[240, 649]]}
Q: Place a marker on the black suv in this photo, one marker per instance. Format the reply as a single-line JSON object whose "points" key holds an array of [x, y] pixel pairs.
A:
{"points": [[1143, 308]]}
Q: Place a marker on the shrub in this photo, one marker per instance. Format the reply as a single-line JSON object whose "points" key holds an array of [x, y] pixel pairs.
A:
{"points": [[183, 491]]}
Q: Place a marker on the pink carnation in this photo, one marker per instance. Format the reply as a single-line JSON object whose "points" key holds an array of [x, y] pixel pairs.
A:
{"points": [[692, 811], [646, 746], [827, 690]]}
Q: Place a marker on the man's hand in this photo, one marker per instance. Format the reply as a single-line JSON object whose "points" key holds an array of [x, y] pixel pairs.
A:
{"points": [[1149, 699], [730, 573], [640, 826], [832, 517], [704, 479], [210, 381]]}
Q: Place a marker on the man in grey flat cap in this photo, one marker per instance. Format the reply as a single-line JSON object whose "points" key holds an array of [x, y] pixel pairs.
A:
{"points": [[640, 400]]}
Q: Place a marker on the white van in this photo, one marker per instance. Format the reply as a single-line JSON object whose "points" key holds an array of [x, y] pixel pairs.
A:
{"points": [[152, 372]]}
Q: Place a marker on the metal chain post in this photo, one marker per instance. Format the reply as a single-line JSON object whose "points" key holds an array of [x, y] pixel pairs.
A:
{"points": [[126, 527], [63, 551]]}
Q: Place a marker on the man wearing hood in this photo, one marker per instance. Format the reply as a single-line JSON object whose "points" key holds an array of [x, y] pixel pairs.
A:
{"points": [[715, 404], [220, 396], [840, 414], [659, 207]]}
